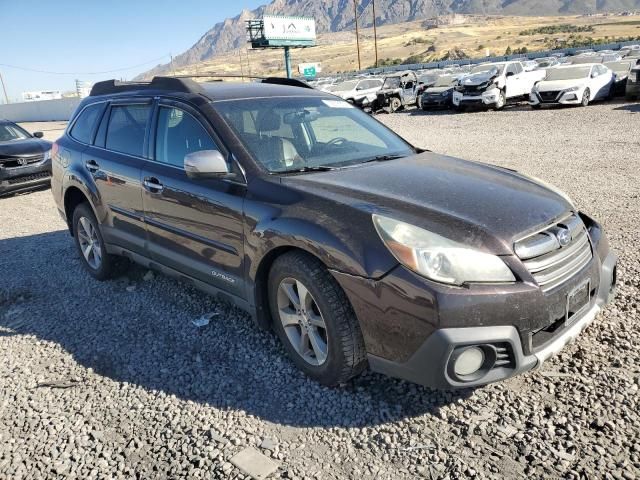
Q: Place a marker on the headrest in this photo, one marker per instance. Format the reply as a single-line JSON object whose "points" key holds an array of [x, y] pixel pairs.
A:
{"points": [[268, 121]]}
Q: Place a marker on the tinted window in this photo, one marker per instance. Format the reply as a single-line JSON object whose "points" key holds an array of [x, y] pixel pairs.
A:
{"points": [[127, 126], [83, 128], [179, 134]]}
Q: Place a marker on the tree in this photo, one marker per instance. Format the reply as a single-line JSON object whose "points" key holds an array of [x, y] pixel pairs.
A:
{"points": [[508, 50]]}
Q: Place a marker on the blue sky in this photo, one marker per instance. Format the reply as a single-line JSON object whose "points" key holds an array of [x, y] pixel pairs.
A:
{"points": [[98, 35]]}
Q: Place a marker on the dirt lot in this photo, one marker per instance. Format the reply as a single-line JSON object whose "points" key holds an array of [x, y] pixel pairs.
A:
{"points": [[113, 380]]}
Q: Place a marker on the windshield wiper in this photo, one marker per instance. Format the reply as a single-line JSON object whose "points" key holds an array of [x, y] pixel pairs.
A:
{"points": [[382, 158], [312, 168]]}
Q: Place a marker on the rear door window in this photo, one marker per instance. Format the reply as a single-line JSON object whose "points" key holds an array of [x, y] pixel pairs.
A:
{"points": [[84, 126], [127, 128]]}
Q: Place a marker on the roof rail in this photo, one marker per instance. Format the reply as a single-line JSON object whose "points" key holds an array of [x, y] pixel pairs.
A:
{"points": [[292, 82], [183, 85]]}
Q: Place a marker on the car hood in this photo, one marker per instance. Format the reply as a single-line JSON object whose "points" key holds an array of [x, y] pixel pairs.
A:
{"points": [[481, 205], [556, 85], [438, 89], [474, 79], [26, 147]]}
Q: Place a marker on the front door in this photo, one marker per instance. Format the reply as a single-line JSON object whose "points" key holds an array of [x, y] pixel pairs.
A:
{"points": [[194, 226]]}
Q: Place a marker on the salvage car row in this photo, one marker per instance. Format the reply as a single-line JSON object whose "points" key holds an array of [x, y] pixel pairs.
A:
{"points": [[569, 80]]}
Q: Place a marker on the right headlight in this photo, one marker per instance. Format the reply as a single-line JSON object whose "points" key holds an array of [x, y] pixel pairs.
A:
{"points": [[438, 258]]}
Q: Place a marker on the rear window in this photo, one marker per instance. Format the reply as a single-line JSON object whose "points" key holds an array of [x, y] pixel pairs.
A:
{"points": [[85, 124], [127, 127]]}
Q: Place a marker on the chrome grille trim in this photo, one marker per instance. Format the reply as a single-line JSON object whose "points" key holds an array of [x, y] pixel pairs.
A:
{"points": [[549, 263]]}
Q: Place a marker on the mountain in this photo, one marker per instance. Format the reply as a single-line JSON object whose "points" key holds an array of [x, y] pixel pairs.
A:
{"points": [[337, 15]]}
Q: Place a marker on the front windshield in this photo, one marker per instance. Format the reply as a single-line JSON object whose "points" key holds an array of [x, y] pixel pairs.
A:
{"points": [[487, 68], [570, 73], [619, 67], [345, 86], [9, 132], [391, 82], [292, 133]]}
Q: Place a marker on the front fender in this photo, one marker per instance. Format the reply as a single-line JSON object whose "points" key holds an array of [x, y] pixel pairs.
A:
{"points": [[336, 251]]}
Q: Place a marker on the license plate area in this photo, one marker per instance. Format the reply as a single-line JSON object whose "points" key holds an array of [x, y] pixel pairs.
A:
{"points": [[577, 300]]}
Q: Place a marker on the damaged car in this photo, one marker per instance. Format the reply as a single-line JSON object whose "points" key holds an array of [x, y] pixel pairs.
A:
{"points": [[492, 85], [440, 94], [398, 91]]}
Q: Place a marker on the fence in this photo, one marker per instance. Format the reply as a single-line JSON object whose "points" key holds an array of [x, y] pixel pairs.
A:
{"points": [[42, 111], [500, 58]]}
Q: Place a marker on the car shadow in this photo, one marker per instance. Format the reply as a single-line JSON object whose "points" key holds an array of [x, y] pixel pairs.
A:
{"points": [[629, 107], [138, 330]]}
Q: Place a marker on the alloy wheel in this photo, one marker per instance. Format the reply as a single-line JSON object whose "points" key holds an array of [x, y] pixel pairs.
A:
{"points": [[89, 243], [302, 321], [585, 97]]}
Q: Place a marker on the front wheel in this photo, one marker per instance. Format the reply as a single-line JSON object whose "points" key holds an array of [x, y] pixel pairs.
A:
{"points": [[586, 97], [501, 101], [314, 320], [395, 104]]}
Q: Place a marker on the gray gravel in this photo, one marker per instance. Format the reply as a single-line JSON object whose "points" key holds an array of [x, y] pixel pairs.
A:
{"points": [[113, 379]]}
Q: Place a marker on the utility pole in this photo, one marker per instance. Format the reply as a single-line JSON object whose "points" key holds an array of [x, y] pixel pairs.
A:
{"points": [[173, 72], [375, 34], [355, 12], [4, 89]]}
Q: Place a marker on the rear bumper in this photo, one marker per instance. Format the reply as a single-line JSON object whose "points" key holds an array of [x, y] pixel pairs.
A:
{"points": [[413, 328], [25, 178]]}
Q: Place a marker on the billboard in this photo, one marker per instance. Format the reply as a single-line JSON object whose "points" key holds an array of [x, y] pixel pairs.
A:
{"points": [[290, 29]]}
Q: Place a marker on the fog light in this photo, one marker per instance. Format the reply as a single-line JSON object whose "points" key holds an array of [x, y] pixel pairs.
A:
{"points": [[469, 361]]}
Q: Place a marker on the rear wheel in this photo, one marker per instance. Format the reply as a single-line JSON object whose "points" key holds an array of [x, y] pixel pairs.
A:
{"points": [[93, 254], [586, 97], [314, 320]]}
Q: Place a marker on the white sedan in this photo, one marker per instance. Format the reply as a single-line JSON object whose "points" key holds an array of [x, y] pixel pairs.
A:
{"points": [[573, 85]]}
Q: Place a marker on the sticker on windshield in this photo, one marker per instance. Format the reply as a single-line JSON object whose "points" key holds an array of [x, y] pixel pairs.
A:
{"points": [[337, 104]]}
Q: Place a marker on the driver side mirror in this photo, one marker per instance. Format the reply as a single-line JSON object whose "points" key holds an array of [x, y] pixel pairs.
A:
{"points": [[594, 74], [38, 134], [206, 164], [510, 74]]}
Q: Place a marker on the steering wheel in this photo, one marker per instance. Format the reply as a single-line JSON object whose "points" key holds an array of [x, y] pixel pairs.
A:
{"points": [[337, 141]]}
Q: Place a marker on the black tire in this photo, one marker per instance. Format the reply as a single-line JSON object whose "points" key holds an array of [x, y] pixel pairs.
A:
{"points": [[109, 266], [503, 101], [585, 98], [346, 355], [459, 108]]}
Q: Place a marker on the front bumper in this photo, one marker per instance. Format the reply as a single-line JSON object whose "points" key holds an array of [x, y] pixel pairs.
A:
{"points": [[561, 98], [13, 180], [488, 97], [413, 327], [436, 101]]}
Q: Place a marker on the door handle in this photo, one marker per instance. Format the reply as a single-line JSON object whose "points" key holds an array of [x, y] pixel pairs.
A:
{"points": [[92, 166], [152, 185]]}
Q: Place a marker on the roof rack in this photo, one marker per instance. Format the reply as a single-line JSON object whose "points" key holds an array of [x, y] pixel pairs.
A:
{"points": [[183, 85], [292, 82]]}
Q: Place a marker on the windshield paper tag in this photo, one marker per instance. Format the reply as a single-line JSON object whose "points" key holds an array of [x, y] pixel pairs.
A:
{"points": [[337, 104]]}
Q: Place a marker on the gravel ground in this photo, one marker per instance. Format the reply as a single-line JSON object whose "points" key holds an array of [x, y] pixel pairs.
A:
{"points": [[113, 380]]}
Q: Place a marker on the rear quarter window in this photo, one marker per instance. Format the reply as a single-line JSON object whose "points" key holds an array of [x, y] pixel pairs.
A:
{"points": [[85, 124]]}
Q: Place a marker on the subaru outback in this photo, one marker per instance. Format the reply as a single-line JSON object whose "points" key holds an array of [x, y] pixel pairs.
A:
{"points": [[356, 247]]}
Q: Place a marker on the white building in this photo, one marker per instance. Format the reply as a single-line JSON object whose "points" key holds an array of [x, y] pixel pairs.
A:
{"points": [[38, 95]]}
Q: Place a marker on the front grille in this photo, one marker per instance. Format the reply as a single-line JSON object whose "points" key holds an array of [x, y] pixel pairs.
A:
{"points": [[17, 162], [548, 96], [557, 253], [473, 90], [28, 178]]}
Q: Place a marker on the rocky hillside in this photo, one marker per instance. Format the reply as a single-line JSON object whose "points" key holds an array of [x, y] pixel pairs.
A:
{"points": [[336, 15]]}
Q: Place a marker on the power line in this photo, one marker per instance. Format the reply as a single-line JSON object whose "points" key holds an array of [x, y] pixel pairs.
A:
{"points": [[27, 69]]}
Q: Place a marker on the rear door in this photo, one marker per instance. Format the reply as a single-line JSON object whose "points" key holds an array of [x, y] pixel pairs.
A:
{"points": [[195, 226], [115, 161]]}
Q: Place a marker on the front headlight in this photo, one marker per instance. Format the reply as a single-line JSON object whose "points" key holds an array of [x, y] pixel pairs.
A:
{"points": [[572, 89], [438, 258], [47, 155]]}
